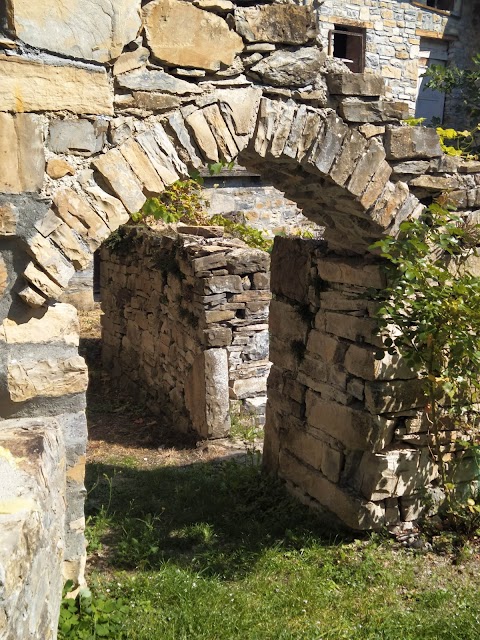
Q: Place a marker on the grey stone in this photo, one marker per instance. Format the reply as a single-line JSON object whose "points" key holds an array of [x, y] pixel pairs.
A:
{"points": [[80, 137], [145, 80], [276, 23], [402, 143], [291, 68]]}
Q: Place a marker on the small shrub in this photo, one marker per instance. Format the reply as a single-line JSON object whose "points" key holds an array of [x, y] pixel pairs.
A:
{"points": [[89, 617]]}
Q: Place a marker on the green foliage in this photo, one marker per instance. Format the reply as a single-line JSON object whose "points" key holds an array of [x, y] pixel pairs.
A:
{"points": [[431, 312], [252, 237], [182, 200], [450, 78], [458, 143], [120, 241], [90, 617]]}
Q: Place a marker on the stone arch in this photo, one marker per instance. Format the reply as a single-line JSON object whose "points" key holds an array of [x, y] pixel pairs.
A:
{"points": [[338, 176]]}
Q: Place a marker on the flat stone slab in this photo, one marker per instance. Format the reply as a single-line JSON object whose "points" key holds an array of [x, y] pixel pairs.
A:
{"points": [[85, 29], [180, 34]]}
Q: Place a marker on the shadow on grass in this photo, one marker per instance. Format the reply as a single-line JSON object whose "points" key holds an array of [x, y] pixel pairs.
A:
{"points": [[216, 519]]}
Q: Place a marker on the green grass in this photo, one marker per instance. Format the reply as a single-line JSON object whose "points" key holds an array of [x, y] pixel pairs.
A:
{"points": [[218, 551]]}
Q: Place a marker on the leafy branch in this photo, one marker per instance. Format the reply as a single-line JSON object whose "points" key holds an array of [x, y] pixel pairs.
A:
{"points": [[431, 313]]}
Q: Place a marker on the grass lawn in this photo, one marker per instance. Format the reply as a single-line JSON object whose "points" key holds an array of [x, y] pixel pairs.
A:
{"points": [[199, 549], [217, 551]]}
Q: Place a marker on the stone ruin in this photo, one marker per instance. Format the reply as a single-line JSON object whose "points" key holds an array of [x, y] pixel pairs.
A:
{"points": [[102, 109]]}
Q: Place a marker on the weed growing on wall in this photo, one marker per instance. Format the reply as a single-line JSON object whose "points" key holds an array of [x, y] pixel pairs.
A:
{"points": [[431, 311], [183, 201]]}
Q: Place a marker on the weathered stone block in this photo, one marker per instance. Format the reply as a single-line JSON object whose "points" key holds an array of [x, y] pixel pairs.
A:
{"points": [[32, 503], [395, 473], [57, 323], [394, 396], [291, 68], [353, 511], [353, 428], [206, 38], [360, 361], [355, 84], [50, 258], [87, 29], [403, 143], [145, 80], [22, 158], [52, 377], [276, 23], [80, 137], [286, 324], [28, 85], [351, 271], [356, 110], [116, 171]]}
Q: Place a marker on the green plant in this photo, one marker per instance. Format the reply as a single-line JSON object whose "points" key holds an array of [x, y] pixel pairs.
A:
{"points": [[431, 313], [252, 237], [458, 143], [465, 81], [89, 616], [182, 200]]}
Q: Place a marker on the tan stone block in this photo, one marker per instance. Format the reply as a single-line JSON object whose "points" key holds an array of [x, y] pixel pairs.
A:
{"points": [[79, 215], [51, 377], [108, 207], [405, 142], [159, 159], [351, 271], [58, 323], [226, 144], [8, 219], [206, 40], [42, 282], [116, 171], [27, 85], [353, 328], [131, 60], [32, 298], [219, 315], [22, 158], [394, 395], [376, 185], [346, 160], [354, 428], [71, 245], [58, 168], [354, 511], [286, 324], [203, 135], [142, 167], [356, 84], [244, 388], [360, 361], [50, 259], [155, 101]]}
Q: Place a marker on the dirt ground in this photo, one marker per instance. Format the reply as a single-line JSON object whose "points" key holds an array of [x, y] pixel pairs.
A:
{"points": [[122, 431]]}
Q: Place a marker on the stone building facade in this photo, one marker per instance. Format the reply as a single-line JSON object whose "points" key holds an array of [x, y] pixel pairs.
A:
{"points": [[399, 39]]}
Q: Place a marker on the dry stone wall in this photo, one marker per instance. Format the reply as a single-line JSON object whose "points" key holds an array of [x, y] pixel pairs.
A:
{"points": [[99, 109], [185, 325]]}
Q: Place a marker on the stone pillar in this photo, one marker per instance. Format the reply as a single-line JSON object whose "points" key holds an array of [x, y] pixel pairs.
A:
{"points": [[340, 423], [45, 376]]}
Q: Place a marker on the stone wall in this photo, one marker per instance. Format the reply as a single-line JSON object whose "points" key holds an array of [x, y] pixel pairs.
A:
{"points": [[185, 325], [346, 431], [393, 34]]}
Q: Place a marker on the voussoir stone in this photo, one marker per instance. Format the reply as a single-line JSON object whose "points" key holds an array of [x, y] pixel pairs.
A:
{"points": [[180, 34], [291, 68], [276, 23], [86, 29], [33, 85]]}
